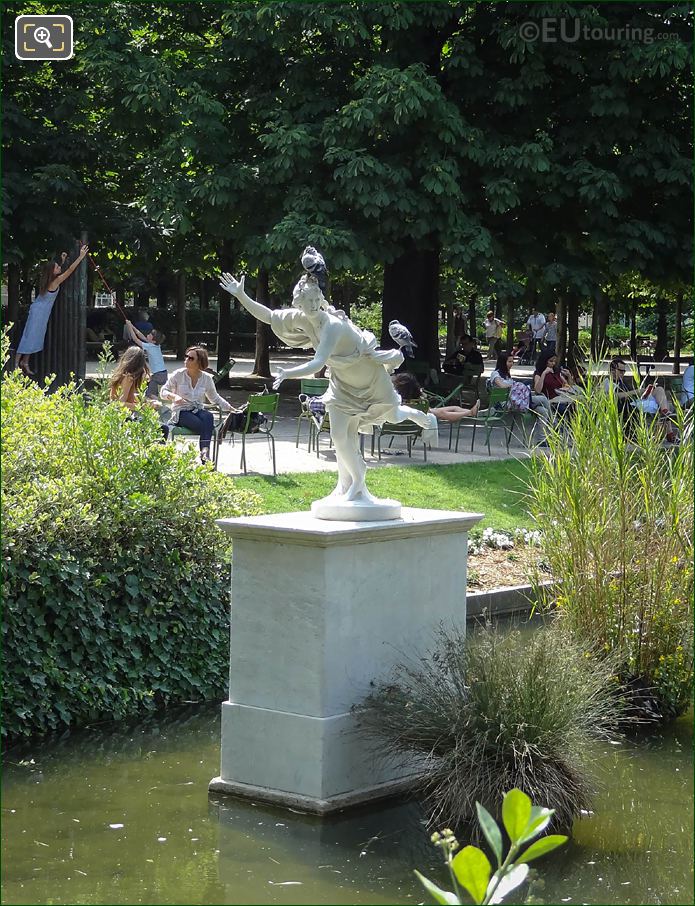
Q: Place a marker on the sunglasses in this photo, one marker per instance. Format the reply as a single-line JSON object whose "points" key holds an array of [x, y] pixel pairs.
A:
{"points": [[193, 358]]}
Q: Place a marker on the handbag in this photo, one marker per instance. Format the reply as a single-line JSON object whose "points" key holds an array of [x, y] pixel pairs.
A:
{"points": [[519, 397]]}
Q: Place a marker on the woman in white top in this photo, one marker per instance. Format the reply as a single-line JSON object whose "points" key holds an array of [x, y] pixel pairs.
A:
{"points": [[187, 389]]}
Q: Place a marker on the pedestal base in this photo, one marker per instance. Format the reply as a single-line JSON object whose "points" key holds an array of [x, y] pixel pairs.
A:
{"points": [[360, 510], [320, 609]]}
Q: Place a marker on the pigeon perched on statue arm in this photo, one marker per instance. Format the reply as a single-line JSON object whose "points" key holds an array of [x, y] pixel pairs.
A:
{"points": [[313, 263], [403, 337]]}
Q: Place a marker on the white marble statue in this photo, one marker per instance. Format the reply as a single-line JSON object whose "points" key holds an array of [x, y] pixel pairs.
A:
{"points": [[360, 393]]}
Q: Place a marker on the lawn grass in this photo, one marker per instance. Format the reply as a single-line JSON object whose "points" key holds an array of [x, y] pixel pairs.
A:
{"points": [[493, 488]]}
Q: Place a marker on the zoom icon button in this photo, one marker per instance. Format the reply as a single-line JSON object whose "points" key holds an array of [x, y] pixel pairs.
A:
{"points": [[43, 37]]}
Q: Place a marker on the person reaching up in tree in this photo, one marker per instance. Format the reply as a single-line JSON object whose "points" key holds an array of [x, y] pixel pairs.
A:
{"points": [[34, 334]]}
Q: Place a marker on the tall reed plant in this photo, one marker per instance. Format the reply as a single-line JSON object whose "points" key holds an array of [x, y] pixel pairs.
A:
{"points": [[614, 505]]}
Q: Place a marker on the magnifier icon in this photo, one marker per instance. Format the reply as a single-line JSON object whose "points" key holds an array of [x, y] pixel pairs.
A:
{"points": [[43, 36]]}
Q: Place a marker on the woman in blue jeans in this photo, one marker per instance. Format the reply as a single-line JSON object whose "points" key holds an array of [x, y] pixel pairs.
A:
{"points": [[187, 389]]}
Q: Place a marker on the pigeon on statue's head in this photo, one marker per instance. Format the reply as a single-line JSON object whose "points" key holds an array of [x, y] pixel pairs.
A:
{"points": [[313, 263], [403, 337]]}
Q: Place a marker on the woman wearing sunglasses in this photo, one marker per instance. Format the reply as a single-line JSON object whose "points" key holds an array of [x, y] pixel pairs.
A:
{"points": [[187, 389]]}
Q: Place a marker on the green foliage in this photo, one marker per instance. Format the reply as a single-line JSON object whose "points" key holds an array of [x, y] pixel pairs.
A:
{"points": [[368, 317], [493, 488], [487, 712], [470, 869], [615, 509], [116, 580]]}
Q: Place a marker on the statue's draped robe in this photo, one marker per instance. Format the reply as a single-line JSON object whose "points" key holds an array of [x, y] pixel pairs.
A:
{"points": [[359, 384]]}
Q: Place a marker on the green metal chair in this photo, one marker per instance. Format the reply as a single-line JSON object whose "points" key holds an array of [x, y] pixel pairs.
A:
{"points": [[179, 431], [495, 416], [267, 404], [223, 372], [410, 430], [309, 387]]}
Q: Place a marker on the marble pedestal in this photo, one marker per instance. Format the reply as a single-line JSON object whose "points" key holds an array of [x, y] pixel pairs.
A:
{"points": [[319, 610]]}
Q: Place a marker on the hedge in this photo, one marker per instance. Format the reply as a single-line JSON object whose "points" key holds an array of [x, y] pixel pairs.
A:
{"points": [[115, 579]]}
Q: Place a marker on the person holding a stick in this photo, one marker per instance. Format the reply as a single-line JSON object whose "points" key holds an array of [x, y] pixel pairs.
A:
{"points": [[34, 334]]}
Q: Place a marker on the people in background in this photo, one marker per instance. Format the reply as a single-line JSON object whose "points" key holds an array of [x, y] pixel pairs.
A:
{"points": [[522, 350], [548, 379], [143, 324], [615, 383], [550, 335], [536, 324], [466, 353], [187, 389], [688, 392], [130, 373], [151, 344], [502, 378], [410, 391], [34, 334], [493, 331]]}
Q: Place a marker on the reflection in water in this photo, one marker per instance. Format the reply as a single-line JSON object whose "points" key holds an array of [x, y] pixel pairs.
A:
{"points": [[122, 816]]}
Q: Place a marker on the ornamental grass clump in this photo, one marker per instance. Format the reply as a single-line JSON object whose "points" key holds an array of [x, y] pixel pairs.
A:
{"points": [[483, 713], [614, 505]]}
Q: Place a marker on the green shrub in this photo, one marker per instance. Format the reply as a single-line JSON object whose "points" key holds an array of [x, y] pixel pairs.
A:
{"points": [[368, 317], [615, 509], [116, 579], [489, 712]]}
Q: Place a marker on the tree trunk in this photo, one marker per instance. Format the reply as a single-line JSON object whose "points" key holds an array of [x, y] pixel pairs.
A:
{"points": [[677, 338], [142, 300], [661, 347], [572, 330], [261, 363], [13, 277], [345, 295], [63, 353], [472, 326], [181, 338], [163, 291], [510, 324], [26, 287], [224, 319], [450, 328], [411, 296], [633, 330], [598, 330], [561, 345]]}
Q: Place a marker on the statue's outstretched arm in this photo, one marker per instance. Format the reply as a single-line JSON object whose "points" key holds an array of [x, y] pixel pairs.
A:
{"points": [[236, 288]]}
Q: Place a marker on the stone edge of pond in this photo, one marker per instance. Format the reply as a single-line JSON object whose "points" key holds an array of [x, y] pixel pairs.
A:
{"points": [[501, 601]]}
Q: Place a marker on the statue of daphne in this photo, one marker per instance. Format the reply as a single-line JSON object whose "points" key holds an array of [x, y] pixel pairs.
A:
{"points": [[360, 393]]}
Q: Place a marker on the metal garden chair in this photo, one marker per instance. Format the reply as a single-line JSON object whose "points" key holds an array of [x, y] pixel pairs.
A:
{"points": [[496, 415]]}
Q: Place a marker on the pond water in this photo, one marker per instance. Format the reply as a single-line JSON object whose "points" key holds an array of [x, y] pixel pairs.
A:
{"points": [[122, 815]]}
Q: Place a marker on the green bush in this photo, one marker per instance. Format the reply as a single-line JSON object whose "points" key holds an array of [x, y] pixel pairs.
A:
{"points": [[485, 713], [615, 510], [368, 317], [116, 579]]}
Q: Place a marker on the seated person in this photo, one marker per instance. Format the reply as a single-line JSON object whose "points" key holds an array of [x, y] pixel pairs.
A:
{"points": [[466, 353], [654, 401], [615, 383], [548, 379], [501, 377], [410, 392], [688, 392]]}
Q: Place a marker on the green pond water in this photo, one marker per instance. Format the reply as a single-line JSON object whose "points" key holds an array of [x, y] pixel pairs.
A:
{"points": [[122, 815]]}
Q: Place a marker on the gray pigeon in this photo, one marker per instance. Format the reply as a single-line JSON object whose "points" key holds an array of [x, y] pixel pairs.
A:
{"points": [[403, 337], [313, 263]]}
